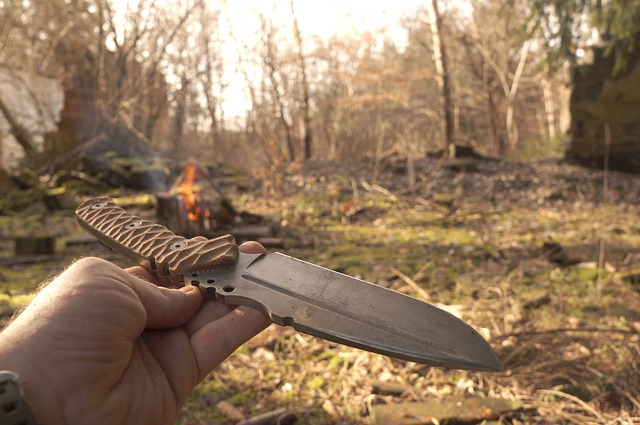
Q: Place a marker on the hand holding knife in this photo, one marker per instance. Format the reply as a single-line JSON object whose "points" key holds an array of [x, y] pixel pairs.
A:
{"points": [[312, 299]]}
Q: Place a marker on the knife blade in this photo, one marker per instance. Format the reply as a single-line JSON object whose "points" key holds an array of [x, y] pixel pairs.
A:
{"points": [[292, 292]]}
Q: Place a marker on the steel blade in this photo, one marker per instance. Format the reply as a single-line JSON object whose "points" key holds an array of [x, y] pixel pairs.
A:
{"points": [[324, 303]]}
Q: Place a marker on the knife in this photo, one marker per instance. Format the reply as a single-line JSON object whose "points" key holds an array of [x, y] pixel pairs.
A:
{"points": [[311, 299]]}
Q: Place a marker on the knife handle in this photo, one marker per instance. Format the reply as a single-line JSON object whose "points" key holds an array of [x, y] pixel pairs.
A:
{"points": [[152, 245]]}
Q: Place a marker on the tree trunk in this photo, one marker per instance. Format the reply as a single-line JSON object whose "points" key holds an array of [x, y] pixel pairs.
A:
{"points": [[442, 72], [180, 115], [270, 62], [211, 105], [549, 107], [212, 63], [20, 133], [512, 128], [306, 115], [255, 121]]}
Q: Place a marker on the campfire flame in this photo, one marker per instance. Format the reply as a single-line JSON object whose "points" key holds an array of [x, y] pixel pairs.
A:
{"points": [[188, 189]]}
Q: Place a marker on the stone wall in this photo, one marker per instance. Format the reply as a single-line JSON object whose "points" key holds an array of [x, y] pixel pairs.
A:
{"points": [[598, 98]]}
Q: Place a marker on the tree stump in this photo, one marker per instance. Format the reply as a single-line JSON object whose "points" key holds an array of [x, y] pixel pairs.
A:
{"points": [[34, 245]]}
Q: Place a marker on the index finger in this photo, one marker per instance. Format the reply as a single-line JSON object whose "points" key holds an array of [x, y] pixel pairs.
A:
{"points": [[217, 330], [217, 340], [213, 309]]}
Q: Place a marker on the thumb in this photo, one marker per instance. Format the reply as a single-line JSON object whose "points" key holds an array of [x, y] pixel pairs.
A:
{"points": [[165, 307]]}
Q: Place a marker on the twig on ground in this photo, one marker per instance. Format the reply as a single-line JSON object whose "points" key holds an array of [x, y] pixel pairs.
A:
{"points": [[230, 411], [276, 417], [576, 400], [566, 330], [406, 279]]}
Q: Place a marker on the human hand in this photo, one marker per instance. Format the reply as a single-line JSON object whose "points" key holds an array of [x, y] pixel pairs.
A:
{"points": [[101, 345]]}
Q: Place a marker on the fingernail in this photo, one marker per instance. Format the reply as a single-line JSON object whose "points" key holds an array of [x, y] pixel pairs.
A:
{"points": [[188, 288]]}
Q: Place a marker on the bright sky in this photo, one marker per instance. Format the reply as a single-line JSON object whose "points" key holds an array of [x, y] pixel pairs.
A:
{"points": [[315, 18], [329, 17]]}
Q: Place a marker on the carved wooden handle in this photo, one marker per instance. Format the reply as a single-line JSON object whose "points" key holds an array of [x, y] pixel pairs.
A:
{"points": [[153, 246]]}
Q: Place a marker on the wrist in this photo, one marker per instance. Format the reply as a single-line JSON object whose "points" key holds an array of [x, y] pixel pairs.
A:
{"points": [[36, 394], [14, 409]]}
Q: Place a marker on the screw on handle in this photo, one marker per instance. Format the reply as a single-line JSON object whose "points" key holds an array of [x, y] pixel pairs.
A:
{"points": [[152, 245]]}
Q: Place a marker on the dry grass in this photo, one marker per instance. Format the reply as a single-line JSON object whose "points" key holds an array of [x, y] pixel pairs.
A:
{"points": [[571, 353], [511, 250]]}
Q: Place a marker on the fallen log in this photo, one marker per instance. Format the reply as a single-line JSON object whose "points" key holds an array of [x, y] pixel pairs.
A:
{"points": [[455, 409]]}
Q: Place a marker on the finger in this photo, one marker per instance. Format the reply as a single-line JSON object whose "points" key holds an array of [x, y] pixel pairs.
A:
{"points": [[210, 310], [252, 247], [213, 309], [217, 340], [172, 350], [144, 274], [102, 289], [165, 308], [168, 308]]}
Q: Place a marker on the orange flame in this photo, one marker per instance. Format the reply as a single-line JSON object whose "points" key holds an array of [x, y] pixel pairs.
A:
{"points": [[189, 192]]}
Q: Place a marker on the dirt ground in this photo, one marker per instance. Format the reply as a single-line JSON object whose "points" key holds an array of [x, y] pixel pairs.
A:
{"points": [[543, 259]]}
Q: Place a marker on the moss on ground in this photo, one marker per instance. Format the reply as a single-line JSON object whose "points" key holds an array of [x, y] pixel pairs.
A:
{"points": [[559, 324]]}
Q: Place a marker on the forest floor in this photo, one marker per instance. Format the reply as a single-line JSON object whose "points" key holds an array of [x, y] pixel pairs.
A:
{"points": [[542, 258]]}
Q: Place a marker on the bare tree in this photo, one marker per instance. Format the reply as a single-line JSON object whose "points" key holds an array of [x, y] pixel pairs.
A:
{"points": [[21, 134], [304, 85], [271, 68], [442, 72], [118, 69], [210, 71], [257, 125], [180, 113], [161, 63]]}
